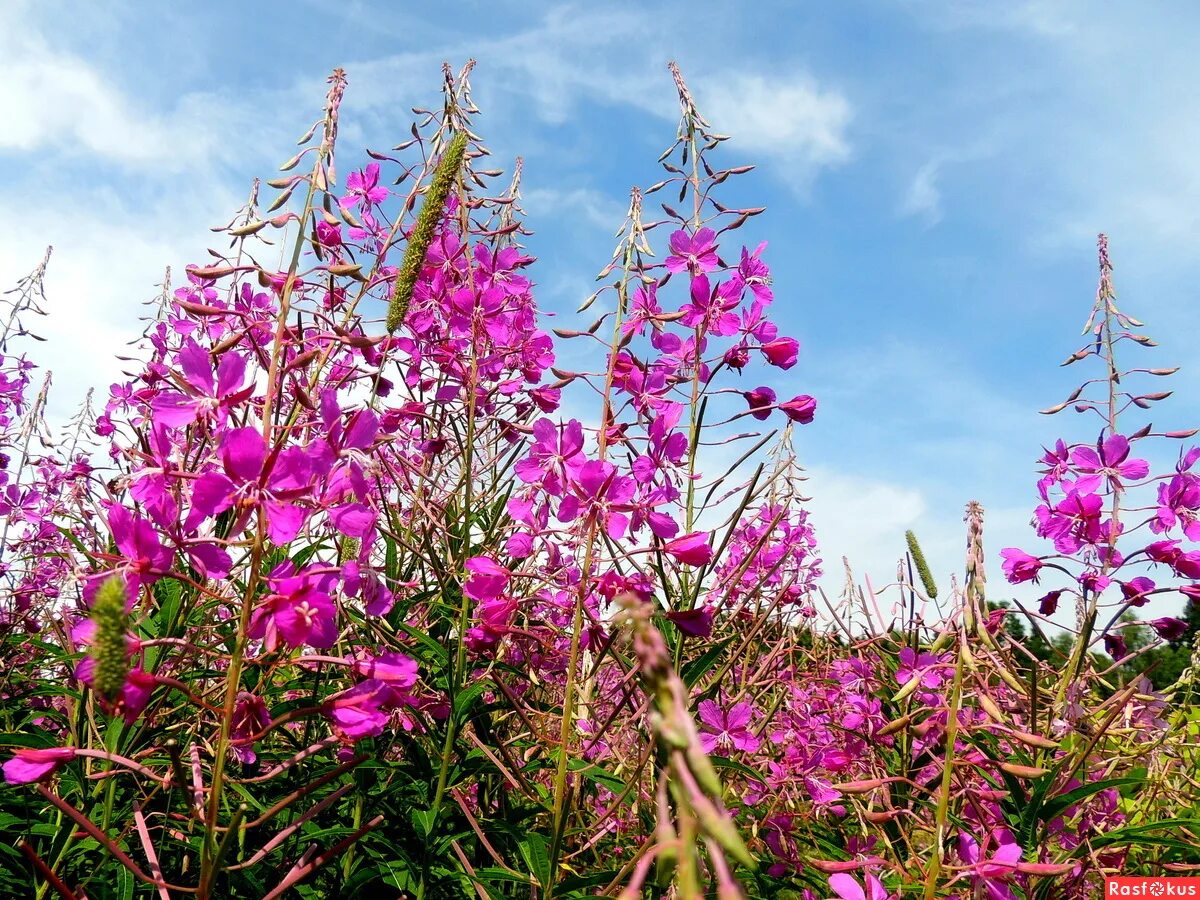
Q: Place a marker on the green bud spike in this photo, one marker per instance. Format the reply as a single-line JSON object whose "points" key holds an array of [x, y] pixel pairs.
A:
{"points": [[918, 559], [422, 233], [108, 645]]}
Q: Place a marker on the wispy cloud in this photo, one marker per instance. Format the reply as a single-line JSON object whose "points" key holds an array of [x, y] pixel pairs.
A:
{"points": [[800, 125], [923, 199]]}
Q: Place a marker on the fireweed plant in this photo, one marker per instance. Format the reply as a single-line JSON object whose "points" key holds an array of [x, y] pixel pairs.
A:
{"points": [[333, 599]]}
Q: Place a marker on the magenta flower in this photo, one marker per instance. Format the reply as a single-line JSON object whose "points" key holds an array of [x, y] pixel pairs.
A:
{"points": [[781, 352], [29, 764], [1019, 566], [690, 549], [250, 717], [487, 579], [300, 611], [359, 712], [555, 455], [694, 253], [363, 187], [1179, 504], [1169, 629], [761, 399], [175, 409], [254, 477], [800, 409], [727, 729], [1109, 460], [146, 559], [993, 872], [599, 491], [847, 888]]}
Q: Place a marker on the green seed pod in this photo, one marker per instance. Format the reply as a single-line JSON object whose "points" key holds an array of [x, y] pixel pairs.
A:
{"points": [[426, 224], [918, 559], [108, 645]]}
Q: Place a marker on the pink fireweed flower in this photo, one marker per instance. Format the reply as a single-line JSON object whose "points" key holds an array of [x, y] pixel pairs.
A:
{"points": [[254, 477], [930, 668], [145, 558], [486, 580], [29, 764], [360, 712], [250, 717], [727, 729], [204, 395], [781, 352], [1169, 629], [761, 400], [395, 669], [690, 549], [847, 888], [363, 187], [1178, 504], [555, 456], [300, 611], [995, 871], [1019, 566], [597, 490], [693, 253], [801, 409], [1109, 460]]}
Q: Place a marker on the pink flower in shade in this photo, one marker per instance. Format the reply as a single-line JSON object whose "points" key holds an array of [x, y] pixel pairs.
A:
{"points": [[800, 409], [761, 399], [300, 611], [1169, 629], [134, 696], [494, 618], [694, 253], [1019, 566], [693, 622], [727, 729], [29, 764], [1109, 460], [250, 717], [847, 887], [363, 187], [931, 668], [1136, 591], [395, 669], [995, 871], [1049, 603], [359, 712], [781, 352], [690, 549]]}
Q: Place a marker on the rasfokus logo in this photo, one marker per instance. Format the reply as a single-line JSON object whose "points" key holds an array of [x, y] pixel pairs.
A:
{"points": [[1151, 887]]}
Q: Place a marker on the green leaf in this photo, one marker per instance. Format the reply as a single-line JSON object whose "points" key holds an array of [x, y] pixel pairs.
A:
{"points": [[533, 849]]}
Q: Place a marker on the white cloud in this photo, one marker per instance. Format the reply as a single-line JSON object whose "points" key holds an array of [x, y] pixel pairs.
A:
{"points": [[923, 199], [596, 207], [791, 119]]}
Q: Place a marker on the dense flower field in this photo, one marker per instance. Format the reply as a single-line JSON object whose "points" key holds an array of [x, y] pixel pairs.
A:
{"points": [[350, 589]]}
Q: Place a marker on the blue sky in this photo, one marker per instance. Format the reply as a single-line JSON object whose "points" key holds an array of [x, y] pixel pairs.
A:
{"points": [[935, 171]]}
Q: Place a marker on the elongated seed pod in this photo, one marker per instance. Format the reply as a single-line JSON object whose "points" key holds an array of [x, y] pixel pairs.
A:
{"points": [[422, 233]]}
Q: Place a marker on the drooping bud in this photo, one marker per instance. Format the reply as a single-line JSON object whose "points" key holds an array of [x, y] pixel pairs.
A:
{"points": [[108, 647], [422, 233]]}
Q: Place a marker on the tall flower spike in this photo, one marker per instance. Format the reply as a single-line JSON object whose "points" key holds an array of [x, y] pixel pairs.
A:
{"points": [[921, 565], [422, 233], [108, 647]]}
